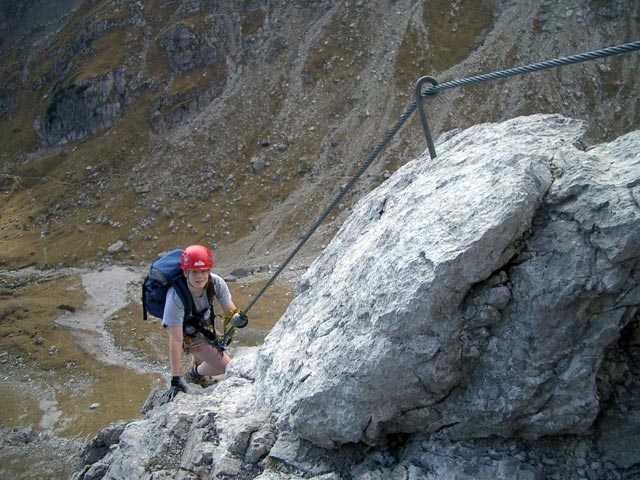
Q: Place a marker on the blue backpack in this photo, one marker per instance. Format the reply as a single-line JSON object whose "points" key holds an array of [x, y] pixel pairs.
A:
{"points": [[164, 273]]}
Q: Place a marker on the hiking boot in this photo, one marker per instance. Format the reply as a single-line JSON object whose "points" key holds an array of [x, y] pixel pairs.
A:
{"points": [[192, 376]]}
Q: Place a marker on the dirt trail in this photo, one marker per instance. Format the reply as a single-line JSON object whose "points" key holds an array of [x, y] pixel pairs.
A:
{"points": [[108, 290]]}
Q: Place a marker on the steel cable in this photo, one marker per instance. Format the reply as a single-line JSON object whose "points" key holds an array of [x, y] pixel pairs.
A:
{"points": [[390, 134], [558, 62]]}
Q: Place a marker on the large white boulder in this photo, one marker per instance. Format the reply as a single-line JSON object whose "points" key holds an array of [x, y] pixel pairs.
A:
{"points": [[470, 296]]}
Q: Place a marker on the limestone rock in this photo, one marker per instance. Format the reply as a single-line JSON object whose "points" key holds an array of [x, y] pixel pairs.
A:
{"points": [[81, 110], [469, 296]]}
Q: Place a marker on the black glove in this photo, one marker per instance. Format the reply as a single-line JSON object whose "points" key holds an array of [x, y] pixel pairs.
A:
{"points": [[177, 385], [240, 321]]}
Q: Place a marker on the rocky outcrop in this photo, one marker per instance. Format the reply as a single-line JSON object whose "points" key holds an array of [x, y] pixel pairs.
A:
{"points": [[187, 48], [169, 111], [475, 317], [80, 110], [21, 450], [483, 288]]}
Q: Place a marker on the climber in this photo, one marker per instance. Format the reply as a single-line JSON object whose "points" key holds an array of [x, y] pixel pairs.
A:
{"points": [[196, 335]]}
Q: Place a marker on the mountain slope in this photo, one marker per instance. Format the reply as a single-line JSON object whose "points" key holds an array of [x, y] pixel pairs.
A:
{"points": [[163, 123]]}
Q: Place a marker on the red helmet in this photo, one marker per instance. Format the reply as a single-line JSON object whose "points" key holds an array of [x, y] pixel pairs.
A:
{"points": [[196, 257]]}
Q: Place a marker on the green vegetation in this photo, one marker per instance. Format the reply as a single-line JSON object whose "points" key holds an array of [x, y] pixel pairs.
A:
{"points": [[108, 52], [455, 33], [340, 51], [40, 353], [22, 322]]}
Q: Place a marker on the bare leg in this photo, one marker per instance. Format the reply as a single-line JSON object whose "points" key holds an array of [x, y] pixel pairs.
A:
{"points": [[209, 361]]}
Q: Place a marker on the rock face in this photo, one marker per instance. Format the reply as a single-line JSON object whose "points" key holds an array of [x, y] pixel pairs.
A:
{"points": [[470, 296], [84, 109], [490, 293]]}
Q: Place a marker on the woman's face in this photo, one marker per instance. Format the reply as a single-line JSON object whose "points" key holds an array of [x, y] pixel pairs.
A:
{"points": [[197, 278]]}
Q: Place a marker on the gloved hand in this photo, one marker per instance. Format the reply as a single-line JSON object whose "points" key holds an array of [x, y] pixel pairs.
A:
{"points": [[240, 321], [177, 385]]}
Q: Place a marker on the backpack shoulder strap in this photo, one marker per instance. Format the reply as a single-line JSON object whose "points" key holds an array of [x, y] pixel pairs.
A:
{"points": [[180, 286]]}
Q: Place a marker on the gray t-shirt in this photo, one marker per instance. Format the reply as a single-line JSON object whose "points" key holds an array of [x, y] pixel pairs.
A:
{"points": [[174, 310]]}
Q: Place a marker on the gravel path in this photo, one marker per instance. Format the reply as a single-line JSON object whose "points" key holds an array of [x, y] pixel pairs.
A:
{"points": [[108, 290]]}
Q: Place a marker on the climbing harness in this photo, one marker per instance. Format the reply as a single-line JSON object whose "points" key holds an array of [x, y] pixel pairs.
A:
{"points": [[219, 341], [417, 104]]}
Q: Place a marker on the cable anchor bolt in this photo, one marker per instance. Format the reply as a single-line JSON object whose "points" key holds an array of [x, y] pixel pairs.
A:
{"points": [[423, 115]]}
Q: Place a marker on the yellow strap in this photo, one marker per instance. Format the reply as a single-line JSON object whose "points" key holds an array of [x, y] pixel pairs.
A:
{"points": [[227, 318], [229, 330]]}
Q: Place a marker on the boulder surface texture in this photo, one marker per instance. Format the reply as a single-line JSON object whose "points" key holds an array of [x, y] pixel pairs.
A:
{"points": [[473, 295]]}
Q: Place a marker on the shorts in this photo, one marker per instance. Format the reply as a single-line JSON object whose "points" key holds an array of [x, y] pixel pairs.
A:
{"points": [[193, 343]]}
